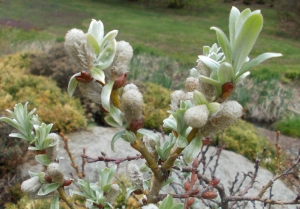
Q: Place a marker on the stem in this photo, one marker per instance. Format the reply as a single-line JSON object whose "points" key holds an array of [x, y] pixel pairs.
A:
{"points": [[171, 159], [115, 98], [65, 198]]}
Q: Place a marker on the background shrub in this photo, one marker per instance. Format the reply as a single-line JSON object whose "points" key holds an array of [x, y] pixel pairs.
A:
{"points": [[157, 100], [245, 139], [290, 126], [53, 105]]}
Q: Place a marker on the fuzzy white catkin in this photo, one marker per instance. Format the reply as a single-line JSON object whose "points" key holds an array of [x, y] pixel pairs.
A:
{"points": [[150, 206], [227, 115], [132, 103], [112, 193], [206, 89], [32, 187], [176, 97], [91, 90], [78, 49], [192, 84], [121, 61], [134, 175], [52, 151], [196, 116], [190, 96], [150, 145], [54, 171]]}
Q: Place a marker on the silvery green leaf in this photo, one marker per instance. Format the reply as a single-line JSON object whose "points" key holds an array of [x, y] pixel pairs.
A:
{"points": [[105, 177], [234, 14], [48, 188], [72, 84], [182, 141], [225, 73], [243, 16], [129, 136], [54, 203], [32, 174], [194, 73], [168, 181], [91, 40], [35, 120], [199, 98], [108, 37], [170, 123], [144, 168], [193, 149], [43, 159], [34, 148], [96, 28], [238, 79], [212, 64], [206, 50], [105, 95], [249, 32], [216, 84], [256, 61], [150, 134], [98, 74], [130, 190], [224, 43], [146, 184], [80, 194], [213, 107], [106, 57], [110, 121], [15, 124], [116, 114], [167, 202], [177, 206], [18, 135], [115, 138]]}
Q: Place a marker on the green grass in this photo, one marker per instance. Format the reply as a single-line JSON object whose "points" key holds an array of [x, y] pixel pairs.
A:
{"points": [[290, 127], [178, 34]]}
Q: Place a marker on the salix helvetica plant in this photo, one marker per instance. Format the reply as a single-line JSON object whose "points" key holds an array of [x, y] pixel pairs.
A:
{"points": [[195, 115]]}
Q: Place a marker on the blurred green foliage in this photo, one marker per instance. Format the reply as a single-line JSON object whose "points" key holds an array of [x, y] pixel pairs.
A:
{"points": [[289, 126], [53, 106], [243, 138]]}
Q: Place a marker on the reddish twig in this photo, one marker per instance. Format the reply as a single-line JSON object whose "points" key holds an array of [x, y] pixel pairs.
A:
{"points": [[117, 161]]}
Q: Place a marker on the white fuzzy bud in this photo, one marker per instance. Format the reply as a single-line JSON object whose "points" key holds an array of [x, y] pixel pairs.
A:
{"points": [[192, 84], [132, 103], [150, 206], [121, 61], [32, 187], [176, 97], [196, 116], [78, 49], [91, 90], [227, 115], [134, 175], [150, 145], [54, 171], [112, 194], [203, 69], [190, 96], [52, 151]]}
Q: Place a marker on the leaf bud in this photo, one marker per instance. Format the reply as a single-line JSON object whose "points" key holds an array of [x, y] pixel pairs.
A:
{"points": [[209, 195], [136, 124], [214, 182], [84, 77], [191, 201], [67, 182], [187, 186], [120, 81]]}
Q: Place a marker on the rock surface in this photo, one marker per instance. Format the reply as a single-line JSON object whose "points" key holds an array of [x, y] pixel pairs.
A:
{"points": [[98, 139]]}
